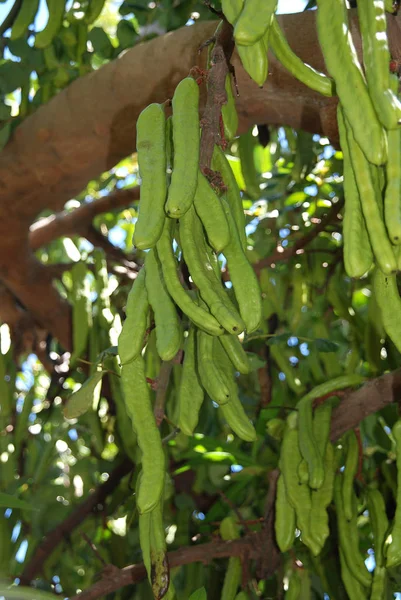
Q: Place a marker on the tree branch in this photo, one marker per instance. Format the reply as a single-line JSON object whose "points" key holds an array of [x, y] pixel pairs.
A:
{"points": [[79, 514], [79, 220], [373, 396]]}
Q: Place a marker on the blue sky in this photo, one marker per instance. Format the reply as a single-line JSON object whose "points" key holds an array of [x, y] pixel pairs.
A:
{"points": [[284, 6]]}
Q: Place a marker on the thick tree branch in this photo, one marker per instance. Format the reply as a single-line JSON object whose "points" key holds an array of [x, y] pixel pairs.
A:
{"points": [[79, 514], [79, 220], [370, 398]]}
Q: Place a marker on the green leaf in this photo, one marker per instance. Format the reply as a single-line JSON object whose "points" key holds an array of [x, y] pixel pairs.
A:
{"points": [[82, 400], [255, 361], [12, 76], [10, 501], [277, 339], [5, 112], [101, 42], [325, 345], [126, 34], [199, 594]]}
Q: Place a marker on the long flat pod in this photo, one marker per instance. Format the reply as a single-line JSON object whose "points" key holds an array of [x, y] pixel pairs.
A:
{"points": [[139, 408], [358, 255], [152, 162], [190, 393], [290, 61], [388, 299], [186, 148], [168, 329], [364, 177], [210, 211], [198, 315], [376, 58], [131, 338], [254, 20], [394, 549], [342, 64]]}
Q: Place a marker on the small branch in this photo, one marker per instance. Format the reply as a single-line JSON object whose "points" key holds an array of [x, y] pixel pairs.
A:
{"points": [[74, 519], [78, 221], [10, 18], [216, 94], [94, 549], [288, 253], [112, 252]]}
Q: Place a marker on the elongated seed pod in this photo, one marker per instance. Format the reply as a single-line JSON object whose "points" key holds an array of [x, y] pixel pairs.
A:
{"points": [[379, 521], [376, 57], [210, 211], [131, 338], [190, 393], [364, 178], [211, 291], [243, 277], [210, 377], [81, 310], [139, 408], [254, 60], [321, 498], [284, 522], [198, 315], [389, 302], [232, 578], [168, 329], [56, 13], [290, 61], [233, 411], [229, 112], [232, 9], [392, 204], [232, 194], [350, 469], [152, 163], [236, 353], [393, 557], [358, 257], [254, 20], [24, 18], [342, 64], [186, 148]]}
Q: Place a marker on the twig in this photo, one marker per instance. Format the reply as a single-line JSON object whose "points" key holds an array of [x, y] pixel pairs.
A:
{"points": [[10, 18], [235, 509], [94, 549], [73, 520], [288, 253]]}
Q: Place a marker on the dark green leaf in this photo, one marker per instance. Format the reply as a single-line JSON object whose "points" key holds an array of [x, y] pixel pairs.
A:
{"points": [[82, 400], [325, 345], [199, 594], [9, 501]]}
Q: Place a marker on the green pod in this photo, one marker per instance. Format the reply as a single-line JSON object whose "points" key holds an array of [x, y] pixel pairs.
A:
{"points": [[198, 315], [350, 469], [281, 359], [379, 585], [254, 60], [243, 277], [232, 9], [56, 13], [392, 195], [190, 393], [308, 444], [210, 211], [321, 498], [303, 471], [284, 522], [353, 587], [358, 257], [233, 411], [196, 257], [22, 418], [81, 310], [168, 328], [246, 146], [6, 546], [254, 21], [93, 11], [24, 18], [139, 408], [298, 494], [342, 64], [290, 61], [232, 194], [159, 572], [294, 586], [123, 426], [349, 538], [104, 313], [210, 377], [152, 163], [371, 201], [229, 112], [393, 557], [379, 522], [321, 425], [236, 353], [376, 58], [385, 290], [391, 6], [232, 578], [131, 338], [186, 148]]}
